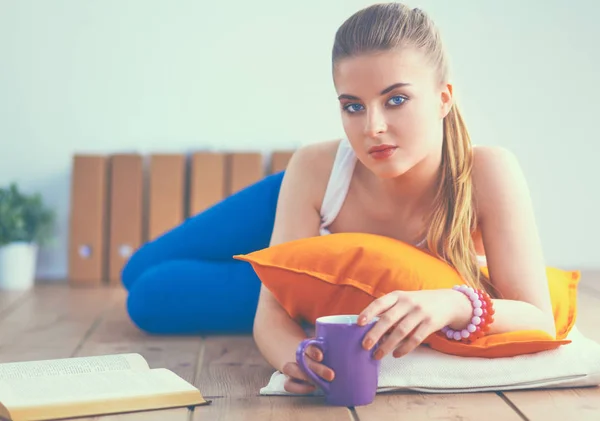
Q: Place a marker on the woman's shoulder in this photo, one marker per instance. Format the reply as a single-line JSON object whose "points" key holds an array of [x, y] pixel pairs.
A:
{"points": [[492, 162], [322, 153], [496, 176], [311, 166], [315, 160]]}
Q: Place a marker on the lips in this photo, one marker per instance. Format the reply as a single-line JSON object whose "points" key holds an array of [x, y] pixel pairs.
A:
{"points": [[381, 148], [382, 152]]}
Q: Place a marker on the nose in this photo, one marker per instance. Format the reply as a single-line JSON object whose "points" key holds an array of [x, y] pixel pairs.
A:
{"points": [[375, 123]]}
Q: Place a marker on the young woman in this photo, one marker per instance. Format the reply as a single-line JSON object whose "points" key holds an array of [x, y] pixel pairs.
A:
{"points": [[405, 169]]}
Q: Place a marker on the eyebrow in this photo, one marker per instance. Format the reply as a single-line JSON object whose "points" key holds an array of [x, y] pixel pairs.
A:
{"points": [[385, 91]]}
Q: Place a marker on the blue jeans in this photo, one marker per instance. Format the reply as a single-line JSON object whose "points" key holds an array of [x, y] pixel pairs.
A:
{"points": [[186, 281]]}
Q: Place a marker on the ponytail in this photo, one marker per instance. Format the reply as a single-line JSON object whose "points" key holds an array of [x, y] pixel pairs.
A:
{"points": [[453, 218]]}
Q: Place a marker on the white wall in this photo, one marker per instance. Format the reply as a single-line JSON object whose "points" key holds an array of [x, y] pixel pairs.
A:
{"points": [[116, 75]]}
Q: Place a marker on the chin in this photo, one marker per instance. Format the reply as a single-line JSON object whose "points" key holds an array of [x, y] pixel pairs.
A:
{"points": [[389, 169]]}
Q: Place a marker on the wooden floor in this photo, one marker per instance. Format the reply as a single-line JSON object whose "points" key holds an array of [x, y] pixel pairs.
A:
{"points": [[54, 321]]}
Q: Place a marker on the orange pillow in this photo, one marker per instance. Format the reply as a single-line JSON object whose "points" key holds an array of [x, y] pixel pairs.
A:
{"points": [[342, 273]]}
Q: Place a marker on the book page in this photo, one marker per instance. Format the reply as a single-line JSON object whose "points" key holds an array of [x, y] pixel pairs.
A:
{"points": [[19, 393], [68, 366]]}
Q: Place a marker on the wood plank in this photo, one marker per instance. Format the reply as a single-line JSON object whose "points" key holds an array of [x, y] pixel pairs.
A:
{"points": [[581, 404], [279, 160], [272, 408], [116, 334], [232, 373], [126, 211], [166, 193], [10, 300], [232, 366], [578, 403], [176, 414], [207, 180], [88, 220], [417, 406], [244, 168], [51, 323]]}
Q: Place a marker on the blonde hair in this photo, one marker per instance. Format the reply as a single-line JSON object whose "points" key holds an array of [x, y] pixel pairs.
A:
{"points": [[392, 26]]}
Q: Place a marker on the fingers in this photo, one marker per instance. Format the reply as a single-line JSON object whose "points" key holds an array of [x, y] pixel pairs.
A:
{"points": [[298, 382], [314, 353], [401, 333], [386, 323], [422, 331], [322, 371], [315, 356], [294, 371], [302, 388], [377, 307]]}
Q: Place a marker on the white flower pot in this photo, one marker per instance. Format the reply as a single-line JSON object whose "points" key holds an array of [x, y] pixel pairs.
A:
{"points": [[17, 266]]}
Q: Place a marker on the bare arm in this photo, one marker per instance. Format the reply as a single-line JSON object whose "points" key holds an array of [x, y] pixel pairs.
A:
{"points": [[515, 262], [276, 334], [511, 241]]}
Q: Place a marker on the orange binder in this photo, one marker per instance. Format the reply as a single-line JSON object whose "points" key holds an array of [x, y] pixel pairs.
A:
{"points": [[88, 221], [166, 193], [279, 160], [126, 211], [245, 168], [207, 180]]}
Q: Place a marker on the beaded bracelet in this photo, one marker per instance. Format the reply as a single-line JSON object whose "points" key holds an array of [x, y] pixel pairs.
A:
{"points": [[483, 311]]}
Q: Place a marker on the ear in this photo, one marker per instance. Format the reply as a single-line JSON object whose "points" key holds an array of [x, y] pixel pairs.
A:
{"points": [[446, 100]]}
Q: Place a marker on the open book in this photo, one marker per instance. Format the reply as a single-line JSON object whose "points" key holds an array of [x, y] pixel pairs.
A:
{"points": [[86, 386]]}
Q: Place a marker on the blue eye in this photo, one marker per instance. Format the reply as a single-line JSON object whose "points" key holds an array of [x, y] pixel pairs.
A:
{"points": [[393, 101], [397, 100], [353, 108]]}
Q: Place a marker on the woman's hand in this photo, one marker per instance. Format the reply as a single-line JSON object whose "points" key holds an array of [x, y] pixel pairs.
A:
{"points": [[297, 381], [407, 318]]}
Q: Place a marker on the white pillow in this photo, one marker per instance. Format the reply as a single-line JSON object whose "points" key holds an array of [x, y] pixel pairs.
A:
{"points": [[426, 370]]}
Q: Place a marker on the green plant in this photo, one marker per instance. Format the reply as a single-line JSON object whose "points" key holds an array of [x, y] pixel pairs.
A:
{"points": [[24, 217]]}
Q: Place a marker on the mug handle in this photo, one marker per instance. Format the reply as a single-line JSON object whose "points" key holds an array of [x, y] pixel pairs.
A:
{"points": [[319, 343]]}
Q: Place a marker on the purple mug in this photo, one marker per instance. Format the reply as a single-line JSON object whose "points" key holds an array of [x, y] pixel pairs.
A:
{"points": [[356, 371]]}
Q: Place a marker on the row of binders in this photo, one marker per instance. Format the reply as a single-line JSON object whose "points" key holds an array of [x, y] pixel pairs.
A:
{"points": [[120, 201]]}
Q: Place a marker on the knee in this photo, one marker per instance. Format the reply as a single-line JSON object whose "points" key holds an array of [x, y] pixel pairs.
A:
{"points": [[186, 297], [152, 253], [133, 268]]}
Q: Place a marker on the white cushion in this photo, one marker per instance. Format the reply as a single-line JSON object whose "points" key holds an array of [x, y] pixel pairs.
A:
{"points": [[425, 370]]}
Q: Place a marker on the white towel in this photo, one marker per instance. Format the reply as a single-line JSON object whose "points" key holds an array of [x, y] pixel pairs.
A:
{"points": [[425, 370]]}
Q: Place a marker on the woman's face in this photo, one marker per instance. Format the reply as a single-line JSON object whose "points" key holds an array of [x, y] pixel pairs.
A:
{"points": [[392, 109]]}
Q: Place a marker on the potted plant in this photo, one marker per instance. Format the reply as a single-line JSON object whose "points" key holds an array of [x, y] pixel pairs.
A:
{"points": [[25, 224]]}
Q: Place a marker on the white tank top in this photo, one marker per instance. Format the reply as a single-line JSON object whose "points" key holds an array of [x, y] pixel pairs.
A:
{"points": [[337, 189], [338, 184]]}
